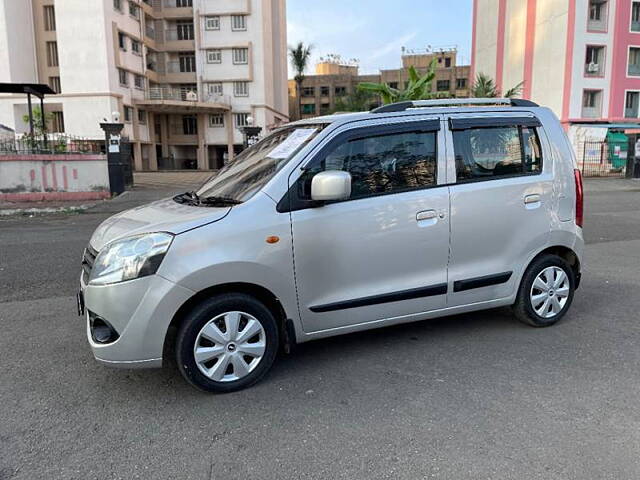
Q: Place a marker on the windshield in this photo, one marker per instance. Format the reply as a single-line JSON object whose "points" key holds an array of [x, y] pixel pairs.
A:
{"points": [[240, 179]]}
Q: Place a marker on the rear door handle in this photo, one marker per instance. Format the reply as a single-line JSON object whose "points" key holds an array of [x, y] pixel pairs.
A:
{"points": [[426, 215], [534, 198]]}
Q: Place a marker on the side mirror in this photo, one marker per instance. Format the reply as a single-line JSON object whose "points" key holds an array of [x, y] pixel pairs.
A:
{"points": [[331, 185]]}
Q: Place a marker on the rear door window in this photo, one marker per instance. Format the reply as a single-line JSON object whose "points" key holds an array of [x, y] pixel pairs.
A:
{"points": [[485, 152]]}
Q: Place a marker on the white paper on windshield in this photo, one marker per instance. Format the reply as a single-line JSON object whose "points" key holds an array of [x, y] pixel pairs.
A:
{"points": [[292, 143]]}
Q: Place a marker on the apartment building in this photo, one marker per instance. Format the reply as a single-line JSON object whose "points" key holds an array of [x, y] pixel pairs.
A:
{"points": [[334, 79], [185, 75], [579, 57]]}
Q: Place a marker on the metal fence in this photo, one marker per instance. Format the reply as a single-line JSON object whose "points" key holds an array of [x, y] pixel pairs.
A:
{"points": [[602, 159], [53, 144]]}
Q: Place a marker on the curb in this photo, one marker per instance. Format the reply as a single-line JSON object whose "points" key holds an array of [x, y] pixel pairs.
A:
{"points": [[38, 211]]}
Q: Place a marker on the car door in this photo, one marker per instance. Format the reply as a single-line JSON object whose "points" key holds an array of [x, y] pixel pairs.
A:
{"points": [[383, 252], [500, 203]]}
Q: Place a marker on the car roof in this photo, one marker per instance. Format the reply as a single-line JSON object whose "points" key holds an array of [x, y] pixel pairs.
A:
{"points": [[438, 107]]}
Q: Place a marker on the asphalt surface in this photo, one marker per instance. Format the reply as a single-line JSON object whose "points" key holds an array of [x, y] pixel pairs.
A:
{"points": [[476, 396]]}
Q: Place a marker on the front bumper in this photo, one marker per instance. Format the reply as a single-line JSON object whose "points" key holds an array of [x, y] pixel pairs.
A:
{"points": [[140, 311]]}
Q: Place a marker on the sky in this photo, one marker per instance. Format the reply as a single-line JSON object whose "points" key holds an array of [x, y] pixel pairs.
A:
{"points": [[374, 31]]}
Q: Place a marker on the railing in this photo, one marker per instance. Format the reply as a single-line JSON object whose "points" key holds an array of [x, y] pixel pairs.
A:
{"points": [[597, 25], [176, 34], [169, 93], [51, 144], [591, 112], [150, 31], [631, 112], [178, 3], [186, 67]]}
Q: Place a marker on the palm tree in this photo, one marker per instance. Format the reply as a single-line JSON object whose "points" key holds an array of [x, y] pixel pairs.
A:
{"points": [[418, 88], [299, 56], [485, 87]]}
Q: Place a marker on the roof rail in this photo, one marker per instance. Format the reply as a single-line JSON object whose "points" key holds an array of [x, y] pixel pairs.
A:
{"points": [[454, 102]]}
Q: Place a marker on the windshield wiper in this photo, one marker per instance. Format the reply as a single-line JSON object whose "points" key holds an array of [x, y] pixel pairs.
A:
{"points": [[187, 197], [218, 201]]}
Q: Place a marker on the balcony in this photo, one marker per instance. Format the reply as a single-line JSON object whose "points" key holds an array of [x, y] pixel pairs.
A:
{"points": [[183, 100]]}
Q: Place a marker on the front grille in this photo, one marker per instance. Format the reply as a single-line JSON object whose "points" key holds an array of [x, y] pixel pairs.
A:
{"points": [[88, 257]]}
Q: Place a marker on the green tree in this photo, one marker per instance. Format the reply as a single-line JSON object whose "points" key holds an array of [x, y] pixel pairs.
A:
{"points": [[358, 101], [37, 120], [299, 56], [485, 87], [418, 87]]}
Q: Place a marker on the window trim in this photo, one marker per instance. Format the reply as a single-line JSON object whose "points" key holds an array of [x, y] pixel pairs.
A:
{"points": [[212, 51], [631, 17], [624, 102], [605, 21], [216, 125], [626, 70], [505, 122], [291, 202], [211, 17], [237, 52], [244, 22]]}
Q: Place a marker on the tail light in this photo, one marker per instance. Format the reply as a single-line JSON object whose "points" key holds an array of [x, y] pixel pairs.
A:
{"points": [[579, 198]]}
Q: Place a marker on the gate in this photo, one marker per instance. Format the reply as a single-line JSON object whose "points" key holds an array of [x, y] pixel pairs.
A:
{"points": [[126, 158], [602, 159]]}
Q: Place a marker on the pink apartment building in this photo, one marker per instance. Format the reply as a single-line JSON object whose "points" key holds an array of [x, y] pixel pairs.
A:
{"points": [[581, 58]]}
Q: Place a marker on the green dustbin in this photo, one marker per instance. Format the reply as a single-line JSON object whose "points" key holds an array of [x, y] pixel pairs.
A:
{"points": [[618, 144]]}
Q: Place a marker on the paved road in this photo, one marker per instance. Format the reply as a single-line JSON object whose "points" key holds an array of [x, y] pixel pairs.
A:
{"points": [[472, 396]]}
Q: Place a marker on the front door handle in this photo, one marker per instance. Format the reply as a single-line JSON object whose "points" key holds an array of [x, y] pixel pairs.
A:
{"points": [[426, 215]]}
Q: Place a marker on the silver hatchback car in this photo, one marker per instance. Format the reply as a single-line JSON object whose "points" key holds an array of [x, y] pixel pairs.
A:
{"points": [[340, 224]]}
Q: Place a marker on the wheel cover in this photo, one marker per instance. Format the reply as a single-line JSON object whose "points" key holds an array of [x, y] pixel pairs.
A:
{"points": [[230, 346], [550, 292]]}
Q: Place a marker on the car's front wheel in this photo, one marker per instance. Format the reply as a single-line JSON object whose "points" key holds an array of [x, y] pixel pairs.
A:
{"points": [[227, 343], [546, 291]]}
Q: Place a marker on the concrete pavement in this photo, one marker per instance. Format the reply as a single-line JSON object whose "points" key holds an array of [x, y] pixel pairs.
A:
{"points": [[472, 396]]}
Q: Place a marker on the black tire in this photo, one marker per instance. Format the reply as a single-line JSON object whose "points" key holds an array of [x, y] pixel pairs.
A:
{"points": [[200, 316], [523, 308]]}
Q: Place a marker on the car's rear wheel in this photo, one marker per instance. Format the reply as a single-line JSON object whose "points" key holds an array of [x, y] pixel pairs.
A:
{"points": [[227, 343], [546, 291]]}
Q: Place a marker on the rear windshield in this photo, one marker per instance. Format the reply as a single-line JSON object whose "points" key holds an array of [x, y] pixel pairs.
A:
{"points": [[254, 167]]}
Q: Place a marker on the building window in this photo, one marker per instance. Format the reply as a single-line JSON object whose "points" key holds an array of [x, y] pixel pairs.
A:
{"points": [[54, 83], [214, 56], [597, 15], [49, 18], [308, 91], [117, 5], [241, 89], [128, 114], [189, 125], [309, 109], [325, 91], [340, 91], [443, 85], [594, 62], [52, 54], [591, 103], [632, 101], [634, 62], [134, 10], [447, 62], [185, 30], [216, 120], [240, 56], [325, 108], [393, 85], [142, 117], [57, 122], [461, 83], [212, 23], [242, 119], [635, 16], [122, 41], [138, 81], [184, 3], [238, 22], [215, 89], [135, 47], [123, 76], [496, 152], [187, 62]]}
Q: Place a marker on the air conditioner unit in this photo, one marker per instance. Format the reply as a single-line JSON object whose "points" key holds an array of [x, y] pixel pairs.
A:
{"points": [[593, 68]]}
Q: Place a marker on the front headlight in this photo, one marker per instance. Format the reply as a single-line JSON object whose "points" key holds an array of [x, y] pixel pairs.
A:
{"points": [[129, 258]]}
